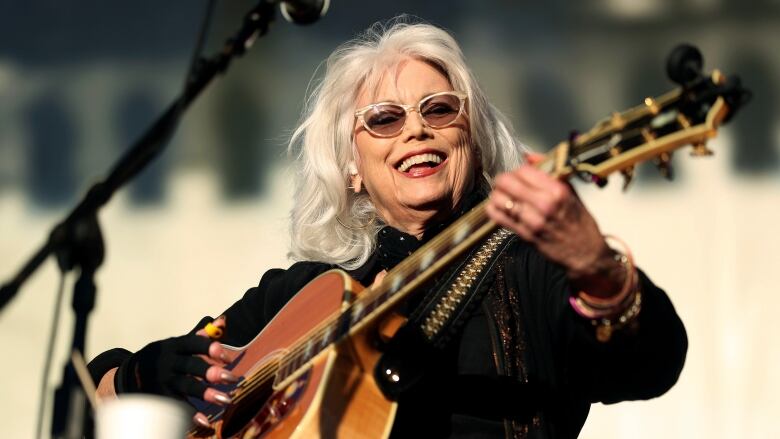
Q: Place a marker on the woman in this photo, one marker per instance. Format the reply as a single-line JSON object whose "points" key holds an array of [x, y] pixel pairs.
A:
{"points": [[397, 141]]}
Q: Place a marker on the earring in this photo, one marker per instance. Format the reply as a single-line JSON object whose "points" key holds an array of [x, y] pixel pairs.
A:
{"points": [[363, 227]]}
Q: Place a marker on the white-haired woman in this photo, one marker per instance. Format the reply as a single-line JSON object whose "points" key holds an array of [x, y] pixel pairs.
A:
{"points": [[396, 142]]}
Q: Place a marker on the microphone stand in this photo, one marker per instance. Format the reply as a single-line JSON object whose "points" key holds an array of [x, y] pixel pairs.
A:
{"points": [[77, 240]]}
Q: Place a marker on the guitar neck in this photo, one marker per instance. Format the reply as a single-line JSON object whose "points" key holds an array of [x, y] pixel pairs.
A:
{"points": [[420, 267], [436, 255]]}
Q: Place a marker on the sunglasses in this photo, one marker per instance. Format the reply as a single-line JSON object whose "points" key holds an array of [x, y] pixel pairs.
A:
{"points": [[387, 119]]}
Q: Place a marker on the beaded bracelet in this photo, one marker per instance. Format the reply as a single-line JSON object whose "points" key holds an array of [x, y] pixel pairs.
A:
{"points": [[606, 326], [626, 259], [608, 314]]}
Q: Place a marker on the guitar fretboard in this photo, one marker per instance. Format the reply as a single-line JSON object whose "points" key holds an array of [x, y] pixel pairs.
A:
{"points": [[399, 283]]}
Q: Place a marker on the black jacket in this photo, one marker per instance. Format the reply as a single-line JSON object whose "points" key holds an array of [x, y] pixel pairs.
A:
{"points": [[523, 365]]}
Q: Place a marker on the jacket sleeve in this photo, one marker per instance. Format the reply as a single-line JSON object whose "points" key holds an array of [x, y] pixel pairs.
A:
{"points": [[250, 314], [640, 362], [245, 318]]}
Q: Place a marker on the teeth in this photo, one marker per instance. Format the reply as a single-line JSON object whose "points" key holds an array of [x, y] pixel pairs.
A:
{"points": [[417, 159]]}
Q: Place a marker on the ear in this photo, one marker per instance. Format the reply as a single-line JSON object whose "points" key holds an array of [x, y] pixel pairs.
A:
{"points": [[356, 181]]}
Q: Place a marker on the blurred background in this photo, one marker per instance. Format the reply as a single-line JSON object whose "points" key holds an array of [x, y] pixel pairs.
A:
{"points": [[79, 81]]}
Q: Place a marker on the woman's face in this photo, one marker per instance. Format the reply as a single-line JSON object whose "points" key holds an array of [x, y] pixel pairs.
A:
{"points": [[401, 193]]}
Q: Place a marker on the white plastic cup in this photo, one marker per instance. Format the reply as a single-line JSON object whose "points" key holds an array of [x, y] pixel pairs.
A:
{"points": [[143, 416]]}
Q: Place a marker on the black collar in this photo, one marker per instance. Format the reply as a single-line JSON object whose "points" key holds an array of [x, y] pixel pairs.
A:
{"points": [[393, 245]]}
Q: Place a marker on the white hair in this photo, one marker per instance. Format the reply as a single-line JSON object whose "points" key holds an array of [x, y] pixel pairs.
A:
{"points": [[329, 222]]}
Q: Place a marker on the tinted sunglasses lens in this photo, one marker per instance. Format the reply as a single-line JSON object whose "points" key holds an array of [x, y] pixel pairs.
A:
{"points": [[441, 110], [385, 119]]}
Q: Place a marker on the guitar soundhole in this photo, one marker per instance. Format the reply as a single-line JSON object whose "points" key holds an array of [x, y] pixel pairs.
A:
{"points": [[258, 410]]}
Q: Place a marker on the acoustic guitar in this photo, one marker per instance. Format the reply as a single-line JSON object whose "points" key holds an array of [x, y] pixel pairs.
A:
{"points": [[311, 371]]}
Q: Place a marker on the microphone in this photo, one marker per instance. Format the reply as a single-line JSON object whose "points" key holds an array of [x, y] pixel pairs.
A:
{"points": [[303, 11]]}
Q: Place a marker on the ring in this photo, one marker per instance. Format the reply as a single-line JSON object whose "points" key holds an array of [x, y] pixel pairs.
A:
{"points": [[518, 210], [509, 205], [213, 331]]}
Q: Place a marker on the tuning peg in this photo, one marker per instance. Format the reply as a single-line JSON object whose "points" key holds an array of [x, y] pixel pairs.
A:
{"points": [[652, 106], [599, 181], [701, 150], [628, 176], [617, 121], [684, 65], [664, 164]]}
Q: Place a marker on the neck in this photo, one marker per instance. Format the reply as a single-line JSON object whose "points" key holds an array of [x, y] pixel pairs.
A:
{"points": [[413, 222], [416, 220]]}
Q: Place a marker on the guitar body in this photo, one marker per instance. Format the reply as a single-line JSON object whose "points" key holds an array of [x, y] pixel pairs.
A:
{"points": [[332, 395]]}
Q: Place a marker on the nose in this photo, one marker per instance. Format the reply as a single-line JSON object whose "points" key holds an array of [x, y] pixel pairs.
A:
{"points": [[415, 127]]}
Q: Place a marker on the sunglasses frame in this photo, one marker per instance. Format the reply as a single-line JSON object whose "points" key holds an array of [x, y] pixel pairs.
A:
{"points": [[360, 113]]}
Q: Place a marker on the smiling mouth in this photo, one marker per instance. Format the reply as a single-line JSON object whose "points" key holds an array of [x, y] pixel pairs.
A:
{"points": [[419, 162]]}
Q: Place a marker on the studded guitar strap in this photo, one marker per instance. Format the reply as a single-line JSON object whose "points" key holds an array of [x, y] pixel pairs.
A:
{"points": [[446, 309], [434, 323]]}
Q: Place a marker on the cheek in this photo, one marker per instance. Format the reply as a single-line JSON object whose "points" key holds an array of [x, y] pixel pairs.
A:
{"points": [[370, 153], [465, 154]]}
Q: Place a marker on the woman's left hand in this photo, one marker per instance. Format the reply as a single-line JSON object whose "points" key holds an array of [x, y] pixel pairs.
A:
{"points": [[547, 213]]}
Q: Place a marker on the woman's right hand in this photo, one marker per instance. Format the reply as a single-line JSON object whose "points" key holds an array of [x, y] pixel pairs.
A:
{"points": [[179, 367]]}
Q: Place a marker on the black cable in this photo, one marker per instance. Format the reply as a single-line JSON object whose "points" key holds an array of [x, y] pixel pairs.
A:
{"points": [[201, 41], [195, 59], [50, 354]]}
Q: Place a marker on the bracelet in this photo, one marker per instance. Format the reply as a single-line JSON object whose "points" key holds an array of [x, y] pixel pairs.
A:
{"points": [[626, 259], [605, 326], [608, 314], [587, 311]]}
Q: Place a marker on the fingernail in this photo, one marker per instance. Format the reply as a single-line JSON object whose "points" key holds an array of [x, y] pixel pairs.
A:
{"points": [[228, 377], [201, 420], [223, 356], [221, 397]]}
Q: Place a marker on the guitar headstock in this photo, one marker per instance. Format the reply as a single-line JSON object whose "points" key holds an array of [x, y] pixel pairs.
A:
{"points": [[688, 115]]}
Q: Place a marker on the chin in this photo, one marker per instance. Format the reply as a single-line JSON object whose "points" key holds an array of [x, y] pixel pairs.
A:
{"points": [[426, 200]]}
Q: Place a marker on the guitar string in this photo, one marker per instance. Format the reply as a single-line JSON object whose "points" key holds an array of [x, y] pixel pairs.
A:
{"points": [[441, 242], [628, 117], [437, 244], [444, 240], [259, 377]]}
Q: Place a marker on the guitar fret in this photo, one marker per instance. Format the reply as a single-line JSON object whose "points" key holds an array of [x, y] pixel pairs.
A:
{"points": [[284, 369], [343, 325], [326, 338], [357, 313], [395, 285], [427, 260], [308, 353], [461, 234]]}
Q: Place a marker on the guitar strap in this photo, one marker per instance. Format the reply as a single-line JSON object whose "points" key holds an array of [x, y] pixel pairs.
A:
{"points": [[434, 323], [447, 307]]}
